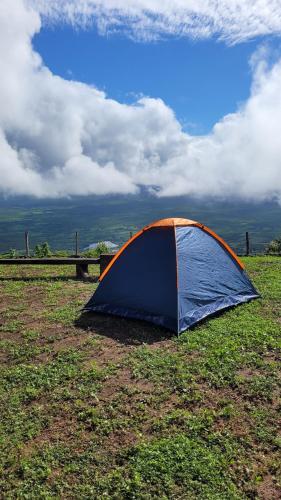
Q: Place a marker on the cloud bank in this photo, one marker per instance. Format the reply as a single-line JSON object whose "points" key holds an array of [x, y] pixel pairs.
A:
{"points": [[61, 138], [230, 20]]}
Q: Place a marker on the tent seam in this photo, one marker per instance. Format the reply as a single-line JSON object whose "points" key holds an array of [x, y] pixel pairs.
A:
{"points": [[177, 279]]}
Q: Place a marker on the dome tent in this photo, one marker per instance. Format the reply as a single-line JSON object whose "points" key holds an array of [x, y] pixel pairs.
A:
{"points": [[174, 272]]}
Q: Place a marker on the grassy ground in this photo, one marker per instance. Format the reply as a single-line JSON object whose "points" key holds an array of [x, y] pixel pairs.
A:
{"points": [[100, 407]]}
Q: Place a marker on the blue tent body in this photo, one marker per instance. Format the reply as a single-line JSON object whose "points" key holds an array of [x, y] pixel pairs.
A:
{"points": [[173, 273]]}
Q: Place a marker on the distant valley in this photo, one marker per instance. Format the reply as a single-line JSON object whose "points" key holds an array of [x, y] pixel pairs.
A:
{"points": [[113, 218]]}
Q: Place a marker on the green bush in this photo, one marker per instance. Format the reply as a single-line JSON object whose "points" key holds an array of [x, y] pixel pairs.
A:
{"points": [[101, 248], [96, 252], [12, 253], [43, 250], [274, 246]]}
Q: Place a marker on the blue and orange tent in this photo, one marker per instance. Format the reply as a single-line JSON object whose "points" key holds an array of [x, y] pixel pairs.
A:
{"points": [[173, 273]]}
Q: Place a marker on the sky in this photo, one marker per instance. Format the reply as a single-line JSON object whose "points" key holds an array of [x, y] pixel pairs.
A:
{"points": [[201, 81], [178, 98]]}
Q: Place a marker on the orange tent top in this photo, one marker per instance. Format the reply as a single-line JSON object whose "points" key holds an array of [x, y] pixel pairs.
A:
{"points": [[172, 222]]}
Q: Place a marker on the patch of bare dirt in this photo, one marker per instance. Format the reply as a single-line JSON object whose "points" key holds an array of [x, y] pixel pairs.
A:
{"points": [[121, 438], [248, 373], [123, 381], [272, 357], [68, 341], [268, 489], [61, 429], [238, 425]]}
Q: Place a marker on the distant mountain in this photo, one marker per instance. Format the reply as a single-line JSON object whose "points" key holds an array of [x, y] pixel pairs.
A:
{"points": [[113, 218]]}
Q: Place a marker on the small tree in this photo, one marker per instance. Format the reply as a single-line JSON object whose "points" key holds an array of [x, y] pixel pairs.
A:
{"points": [[46, 250], [37, 251], [96, 252], [43, 250], [274, 246], [101, 248]]}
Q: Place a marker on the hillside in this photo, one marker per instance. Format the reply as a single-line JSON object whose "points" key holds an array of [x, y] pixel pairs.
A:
{"points": [[94, 406], [112, 218]]}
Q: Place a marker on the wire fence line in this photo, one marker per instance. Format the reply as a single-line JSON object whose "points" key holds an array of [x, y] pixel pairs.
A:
{"points": [[256, 248], [26, 243], [75, 244]]}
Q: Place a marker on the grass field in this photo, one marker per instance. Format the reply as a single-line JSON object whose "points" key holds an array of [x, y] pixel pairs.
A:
{"points": [[100, 407]]}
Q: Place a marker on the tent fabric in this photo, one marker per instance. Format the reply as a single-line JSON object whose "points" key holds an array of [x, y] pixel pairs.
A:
{"points": [[209, 279], [142, 282], [171, 222], [173, 275]]}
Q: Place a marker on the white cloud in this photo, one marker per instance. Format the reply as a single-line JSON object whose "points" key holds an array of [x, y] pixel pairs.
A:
{"points": [[230, 20], [61, 138]]}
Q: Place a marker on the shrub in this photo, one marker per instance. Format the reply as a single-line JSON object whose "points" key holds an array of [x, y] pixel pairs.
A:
{"points": [[43, 250], [274, 246], [101, 248], [12, 253], [96, 252]]}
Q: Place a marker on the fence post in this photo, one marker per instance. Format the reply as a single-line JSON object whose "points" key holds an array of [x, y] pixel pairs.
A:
{"points": [[247, 244], [26, 238], [76, 244]]}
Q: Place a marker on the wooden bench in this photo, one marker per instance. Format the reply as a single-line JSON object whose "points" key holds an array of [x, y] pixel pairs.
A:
{"points": [[81, 263]]}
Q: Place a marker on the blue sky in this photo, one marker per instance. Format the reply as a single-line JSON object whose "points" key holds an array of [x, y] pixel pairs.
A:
{"points": [[200, 81]]}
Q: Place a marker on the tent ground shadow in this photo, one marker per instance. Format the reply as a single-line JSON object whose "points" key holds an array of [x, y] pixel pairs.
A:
{"points": [[130, 331], [126, 331]]}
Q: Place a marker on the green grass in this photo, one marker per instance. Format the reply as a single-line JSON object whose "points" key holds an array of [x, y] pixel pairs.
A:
{"points": [[113, 408]]}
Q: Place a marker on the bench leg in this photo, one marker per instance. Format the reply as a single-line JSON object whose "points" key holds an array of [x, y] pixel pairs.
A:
{"points": [[105, 258], [82, 271]]}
